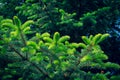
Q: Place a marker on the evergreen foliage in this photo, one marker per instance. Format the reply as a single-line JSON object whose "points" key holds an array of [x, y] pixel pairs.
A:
{"points": [[7, 7], [59, 40], [49, 15], [45, 57]]}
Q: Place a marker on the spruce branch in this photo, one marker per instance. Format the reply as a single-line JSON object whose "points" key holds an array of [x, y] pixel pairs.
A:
{"points": [[87, 50], [22, 37], [16, 51], [49, 53], [47, 11], [40, 69]]}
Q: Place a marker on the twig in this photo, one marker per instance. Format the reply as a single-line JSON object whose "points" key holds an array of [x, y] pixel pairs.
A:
{"points": [[35, 65], [11, 46]]}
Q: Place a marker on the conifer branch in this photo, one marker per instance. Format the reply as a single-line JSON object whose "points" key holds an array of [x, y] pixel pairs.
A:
{"points": [[35, 65], [40, 69], [22, 37], [16, 51], [47, 11]]}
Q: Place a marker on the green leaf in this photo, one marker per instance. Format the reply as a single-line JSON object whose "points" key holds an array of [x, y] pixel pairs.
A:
{"points": [[74, 45], [24, 49], [86, 58], [9, 25], [45, 34], [51, 46], [103, 37], [112, 65], [17, 21], [82, 45], [27, 23], [79, 24], [47, 39], [48, 66], [56, 62], [117, 77], [99, 76], [38, 35], [39, 57], [65, 65], [14, 34], [56, 37], [32, 51], [7, 21], [5, 77], [32, 44], [26, 29], [63, 39], [91, 37], [96, 39], [62, 12], [85, 39], [40, 43], [7, 40], [71, 51], [62, 57]]}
